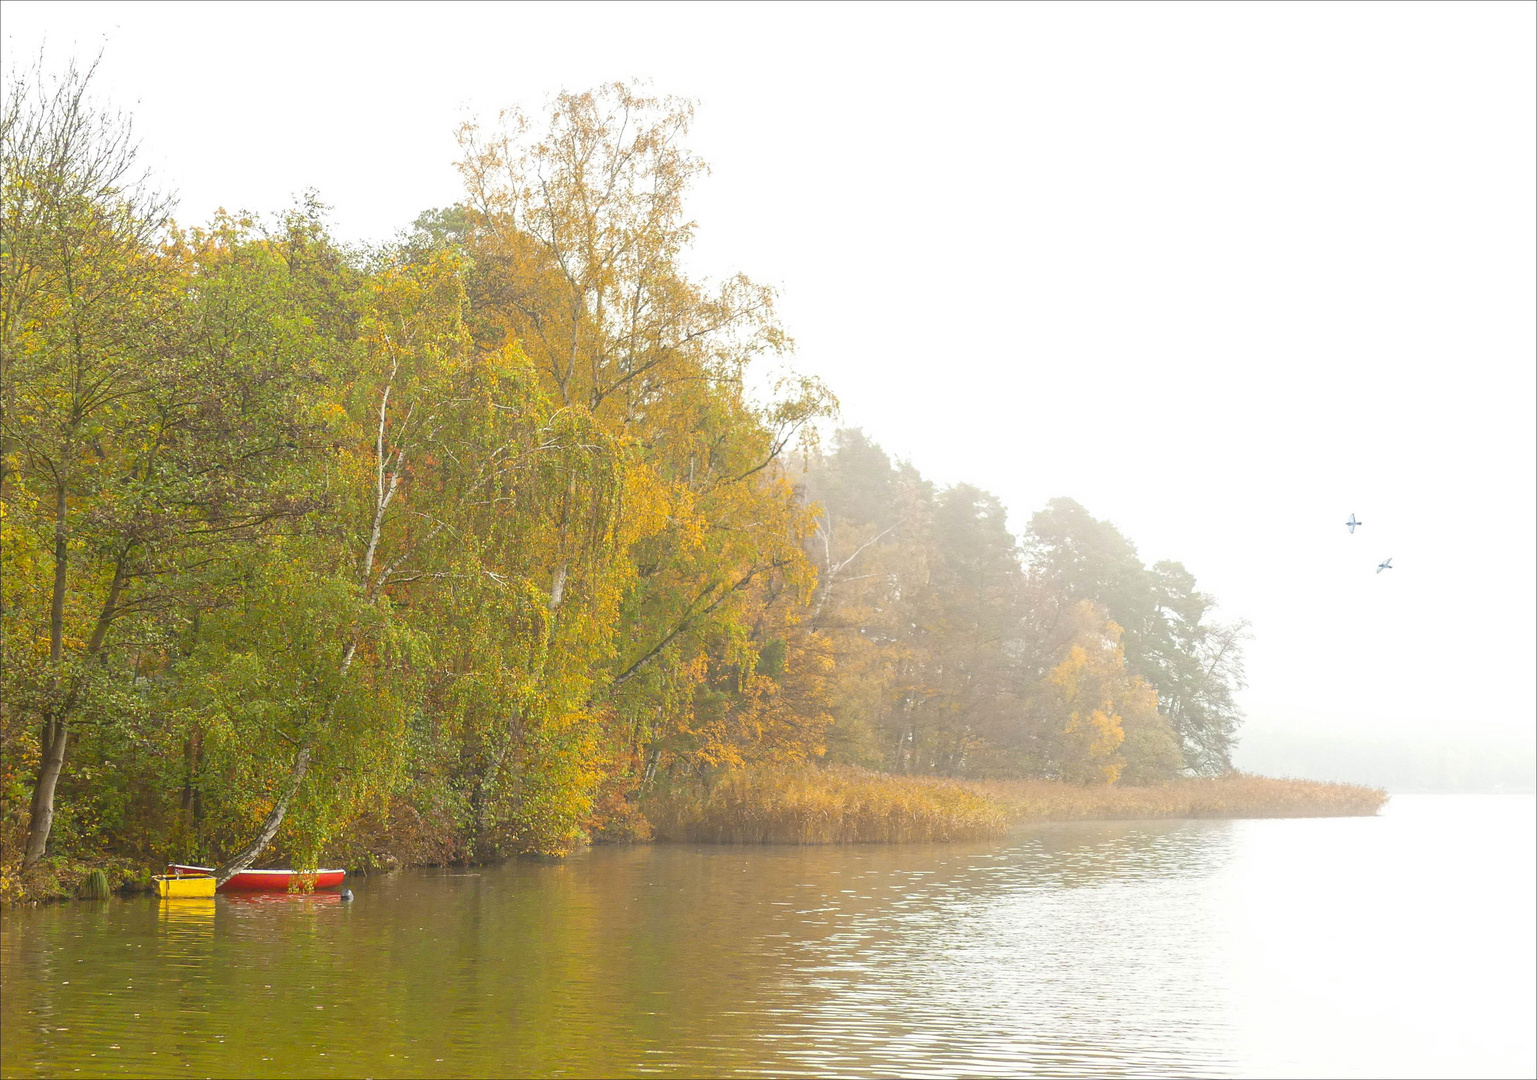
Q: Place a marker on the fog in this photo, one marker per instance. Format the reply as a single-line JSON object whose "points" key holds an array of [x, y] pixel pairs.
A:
{"points": [[1223, 274]]}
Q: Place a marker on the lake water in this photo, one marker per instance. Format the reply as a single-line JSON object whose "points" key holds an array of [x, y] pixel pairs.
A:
{"points": [[1401, 945]]}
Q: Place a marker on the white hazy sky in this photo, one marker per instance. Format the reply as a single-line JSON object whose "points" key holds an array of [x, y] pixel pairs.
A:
{"points": [[1225, 274]]}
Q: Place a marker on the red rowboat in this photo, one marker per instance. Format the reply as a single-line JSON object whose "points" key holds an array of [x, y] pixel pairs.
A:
{"points": [[265, 880]]}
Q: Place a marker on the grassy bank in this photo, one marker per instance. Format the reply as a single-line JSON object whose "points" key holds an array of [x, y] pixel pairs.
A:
{"points": [[823, 806], [61, 879]]}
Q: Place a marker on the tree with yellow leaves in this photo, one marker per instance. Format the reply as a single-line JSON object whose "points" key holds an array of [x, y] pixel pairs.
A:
{"points": [[1099, 716], [576, 233]]}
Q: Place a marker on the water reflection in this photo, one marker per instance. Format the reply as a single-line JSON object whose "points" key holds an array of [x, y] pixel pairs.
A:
{"points": [[190, 914], [1111, 948], [1033, 955]]}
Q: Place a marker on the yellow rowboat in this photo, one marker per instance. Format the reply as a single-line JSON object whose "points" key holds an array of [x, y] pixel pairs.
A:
{"points": [[170, 888]]}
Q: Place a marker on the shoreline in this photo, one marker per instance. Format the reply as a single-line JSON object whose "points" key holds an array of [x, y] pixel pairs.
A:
{"points": [[810, 806], [1241, 795], [814, 806]]}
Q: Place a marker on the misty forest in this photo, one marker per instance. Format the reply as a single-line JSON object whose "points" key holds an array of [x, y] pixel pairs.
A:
{"points": [[483, 540]]}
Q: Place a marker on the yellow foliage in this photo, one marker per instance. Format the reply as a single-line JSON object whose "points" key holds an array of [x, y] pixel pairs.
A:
{"points": [[1086, 684]]}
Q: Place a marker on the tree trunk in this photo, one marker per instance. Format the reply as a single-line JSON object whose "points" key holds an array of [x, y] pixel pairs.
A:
{"points": [[60, 575], [247, 855], [55, 737], [480, 802], [191, 790], [55, 728]]}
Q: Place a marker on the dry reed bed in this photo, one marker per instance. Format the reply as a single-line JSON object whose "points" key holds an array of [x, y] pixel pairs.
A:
{"points": [[840, 805], [825, 806], [1236, 796]]}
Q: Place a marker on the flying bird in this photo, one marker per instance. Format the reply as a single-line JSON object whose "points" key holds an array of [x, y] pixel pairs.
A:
{"points": [[1385, 564], [1352, 523]]}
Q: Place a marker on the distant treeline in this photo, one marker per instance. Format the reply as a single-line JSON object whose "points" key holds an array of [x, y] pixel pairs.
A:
{"points": [[478, 536]]}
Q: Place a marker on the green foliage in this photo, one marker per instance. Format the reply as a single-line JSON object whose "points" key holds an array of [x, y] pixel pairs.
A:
{"points": [[264, 679]]}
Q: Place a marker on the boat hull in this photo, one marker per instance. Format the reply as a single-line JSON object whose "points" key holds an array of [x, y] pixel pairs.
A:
{"points": [[268, 880], [175, 886]]}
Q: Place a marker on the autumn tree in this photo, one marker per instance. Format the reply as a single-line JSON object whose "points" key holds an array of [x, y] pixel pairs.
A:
{"points": [[951, 655], [1097, 721], [972, 625], [872, 552], [577, 232], [465, 555], [133, 452], [920, 592], [1194, 662]]}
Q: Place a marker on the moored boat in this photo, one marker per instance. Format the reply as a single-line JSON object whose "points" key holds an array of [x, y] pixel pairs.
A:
{"points": [[267, 880], [177, 886]]}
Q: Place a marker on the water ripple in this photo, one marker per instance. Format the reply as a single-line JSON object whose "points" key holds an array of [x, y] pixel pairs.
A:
{"points": [[1198, 948]]}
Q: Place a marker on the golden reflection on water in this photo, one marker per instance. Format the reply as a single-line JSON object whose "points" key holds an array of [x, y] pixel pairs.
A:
{"points": [[1119, 948], [193, 914]]}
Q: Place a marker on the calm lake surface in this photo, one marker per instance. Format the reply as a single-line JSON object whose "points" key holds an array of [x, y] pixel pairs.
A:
{"points": [[1401, 945]]}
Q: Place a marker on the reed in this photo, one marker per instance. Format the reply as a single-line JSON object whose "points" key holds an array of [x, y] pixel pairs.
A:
{"points": [[94, 886], [810, 805], [1239, 795]]}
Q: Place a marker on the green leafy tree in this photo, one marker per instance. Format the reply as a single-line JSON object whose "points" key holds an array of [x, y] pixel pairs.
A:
{"points": [[134, 454]]}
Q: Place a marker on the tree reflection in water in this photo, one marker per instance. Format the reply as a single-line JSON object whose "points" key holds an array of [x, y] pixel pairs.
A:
{"points": [[1106, 947]]}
